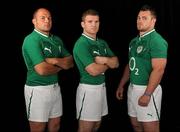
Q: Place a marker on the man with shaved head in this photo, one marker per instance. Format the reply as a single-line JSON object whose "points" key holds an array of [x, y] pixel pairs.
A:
{"points": [[44, 55]]}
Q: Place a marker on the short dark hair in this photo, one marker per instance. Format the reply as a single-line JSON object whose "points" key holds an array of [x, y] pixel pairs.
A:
{"points": [[37, 9], [89, 12], [149, 8]]}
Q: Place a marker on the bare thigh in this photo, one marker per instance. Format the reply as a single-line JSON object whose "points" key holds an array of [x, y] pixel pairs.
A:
{"points": [[137, 126], [54, 124], [151, 126], [88, 126], [37, 126]]}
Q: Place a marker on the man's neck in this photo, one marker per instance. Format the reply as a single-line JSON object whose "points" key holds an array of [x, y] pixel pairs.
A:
{"points": [[89, 36]]}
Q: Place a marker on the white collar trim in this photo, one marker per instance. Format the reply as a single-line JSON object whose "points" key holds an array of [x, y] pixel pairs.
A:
{"points": [[88, 37], [147, 33], [41, 33]]}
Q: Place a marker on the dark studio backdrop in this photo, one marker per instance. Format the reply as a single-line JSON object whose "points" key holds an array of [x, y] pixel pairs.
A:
{"points": [[118, 27]]}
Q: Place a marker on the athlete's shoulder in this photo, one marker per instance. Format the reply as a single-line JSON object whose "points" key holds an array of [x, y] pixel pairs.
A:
{"points": [[157, 37], [30, 38], [33, 35], [56, 37], [80, 40], [102, 40], [133, 40], [80, 43]]}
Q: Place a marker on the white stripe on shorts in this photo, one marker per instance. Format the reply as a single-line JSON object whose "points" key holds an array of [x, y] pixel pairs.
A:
{"points": [[145, 114], [91, 102], [43, 102]]}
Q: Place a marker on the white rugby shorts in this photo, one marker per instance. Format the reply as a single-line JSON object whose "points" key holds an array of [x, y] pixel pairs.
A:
{"points": [[43, 102], [144, 114], [91, 102]]}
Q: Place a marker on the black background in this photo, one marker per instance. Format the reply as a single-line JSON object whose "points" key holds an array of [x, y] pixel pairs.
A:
{"points": [[118, 27]]}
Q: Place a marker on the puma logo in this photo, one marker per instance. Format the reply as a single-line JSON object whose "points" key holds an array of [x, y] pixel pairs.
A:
{"points": [[48, 49], [149, 114], [96, 52]]}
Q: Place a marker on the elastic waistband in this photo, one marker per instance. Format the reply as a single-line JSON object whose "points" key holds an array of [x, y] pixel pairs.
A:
{"points": [[139, 86], [92, 86], [45, 87]]}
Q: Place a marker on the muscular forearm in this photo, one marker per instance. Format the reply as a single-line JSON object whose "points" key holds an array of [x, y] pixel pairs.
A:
{"points": [[64, 63], [96, 69], [158, 67], [45, 68], [154, 80], [125, 77], [111, 62]]}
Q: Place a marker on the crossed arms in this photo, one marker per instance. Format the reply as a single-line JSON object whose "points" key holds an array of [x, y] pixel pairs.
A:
{"points": [[54, 65], [101, 64]]}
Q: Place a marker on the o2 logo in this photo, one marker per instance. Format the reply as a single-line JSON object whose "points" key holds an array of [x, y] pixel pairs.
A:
{"points": [[132, 66]]}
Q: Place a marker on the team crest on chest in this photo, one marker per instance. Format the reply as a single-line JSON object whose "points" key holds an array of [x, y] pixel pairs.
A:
{"points": [[139, 49]]}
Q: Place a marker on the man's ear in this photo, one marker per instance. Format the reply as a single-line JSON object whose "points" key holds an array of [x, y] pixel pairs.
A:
{"points": [[82, 24], [154, 20], [33, 21]]}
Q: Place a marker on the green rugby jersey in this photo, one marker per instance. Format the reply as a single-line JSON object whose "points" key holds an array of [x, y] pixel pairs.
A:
{"points": [[141, 51], [36, 47], [84, 52]]}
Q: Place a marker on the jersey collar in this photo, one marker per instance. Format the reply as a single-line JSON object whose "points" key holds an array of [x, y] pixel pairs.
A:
{"points": [[41, 33], [89, 37], [146, 33]]}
